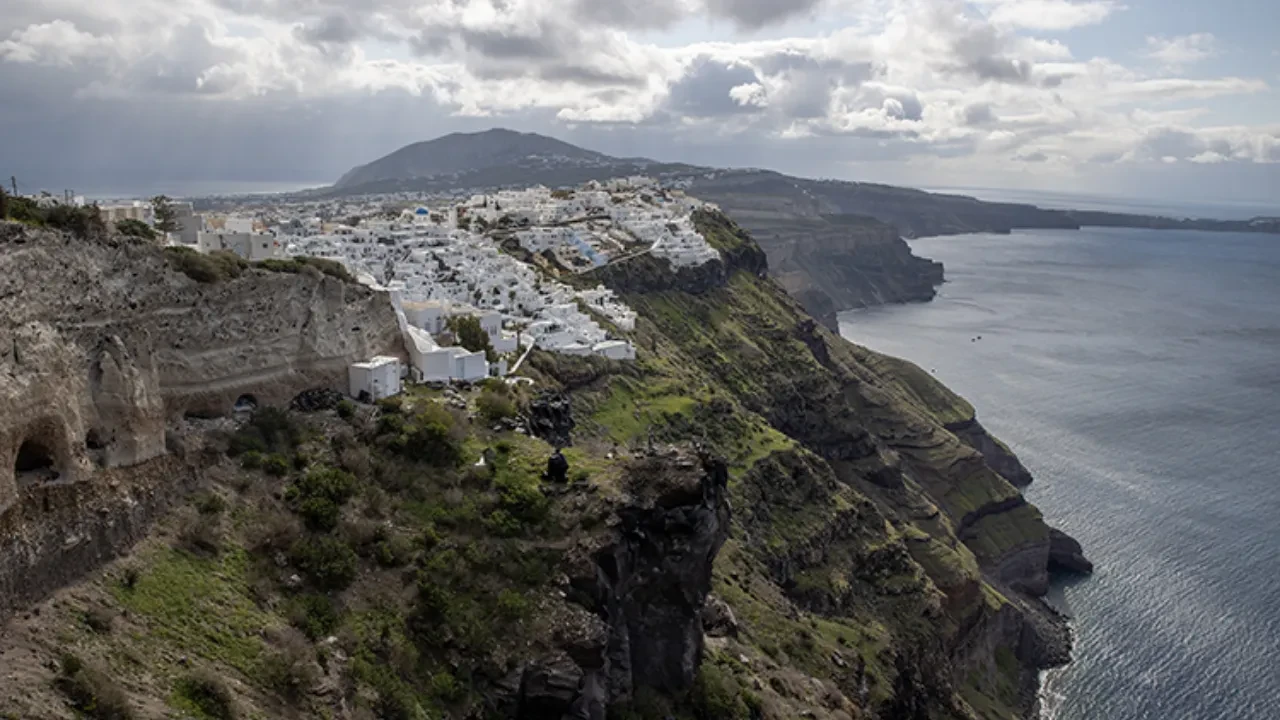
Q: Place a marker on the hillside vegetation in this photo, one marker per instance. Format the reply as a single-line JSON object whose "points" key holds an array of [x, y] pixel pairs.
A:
{"points": [[758, 520]]}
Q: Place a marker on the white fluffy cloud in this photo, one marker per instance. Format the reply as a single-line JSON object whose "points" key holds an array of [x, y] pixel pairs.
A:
{"points": [[1178, 52], [989, 81]]}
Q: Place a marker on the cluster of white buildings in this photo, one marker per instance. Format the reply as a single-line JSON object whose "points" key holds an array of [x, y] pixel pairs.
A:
{"points": [[468, 258]]}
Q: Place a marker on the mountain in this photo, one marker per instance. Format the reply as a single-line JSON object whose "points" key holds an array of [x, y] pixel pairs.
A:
{"points": [[461, 153], [759, 520]]}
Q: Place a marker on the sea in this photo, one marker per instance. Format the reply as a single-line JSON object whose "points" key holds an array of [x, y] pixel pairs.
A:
{"points": [[1137, 375]]}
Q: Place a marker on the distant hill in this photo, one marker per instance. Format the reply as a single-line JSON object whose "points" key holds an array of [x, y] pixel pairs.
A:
{"points": [[834, 244], [469, 152]]}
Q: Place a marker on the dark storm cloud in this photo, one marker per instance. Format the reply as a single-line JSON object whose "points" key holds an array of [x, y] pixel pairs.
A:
{"points": [[755, 14]]}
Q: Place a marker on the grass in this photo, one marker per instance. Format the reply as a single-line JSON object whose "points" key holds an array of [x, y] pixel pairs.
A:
{"points": [[201, 605]]}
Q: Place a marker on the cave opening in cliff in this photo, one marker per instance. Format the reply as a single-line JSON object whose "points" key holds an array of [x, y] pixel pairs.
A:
{"points": [[246, 403], [34, 458]]}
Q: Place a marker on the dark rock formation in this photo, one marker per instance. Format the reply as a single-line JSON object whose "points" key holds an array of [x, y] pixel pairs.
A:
{"points": [[551, 418], [316, 399], [557, 468], [1066, 555], [649, 583]]}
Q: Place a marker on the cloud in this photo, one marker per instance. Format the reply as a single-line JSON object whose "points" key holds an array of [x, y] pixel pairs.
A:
{"points": [[1053, 15], [756, 14], [1181, 51], [985, 83]]}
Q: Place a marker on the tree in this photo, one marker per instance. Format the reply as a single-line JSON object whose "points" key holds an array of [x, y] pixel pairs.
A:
{"points": [[135, 228], [467, 331], [166, 216]]}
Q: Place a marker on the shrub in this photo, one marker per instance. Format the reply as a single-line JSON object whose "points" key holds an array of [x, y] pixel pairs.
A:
{"points": [[209, 694], [251, 460], [393, 405], [314, 614], [495, 406], [445, 687], [202, 536], [512, 605], [135, 228], [269, 429], [319, 513], [431, 436], [346, 409], [205, 268], [289, 670], [82, 222], [210, 503], [296, 265], [275, 533], [276, 465], [393, 552], [91, 691], [328, 562], [129, 577]]}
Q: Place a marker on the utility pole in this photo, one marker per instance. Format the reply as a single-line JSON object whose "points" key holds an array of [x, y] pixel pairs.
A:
{"points": [[13, 180]]}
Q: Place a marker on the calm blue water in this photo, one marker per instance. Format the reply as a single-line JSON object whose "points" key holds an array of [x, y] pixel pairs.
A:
{"points": [[1137, 374]]}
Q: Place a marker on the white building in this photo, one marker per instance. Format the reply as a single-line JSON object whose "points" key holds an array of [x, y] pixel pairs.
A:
{"points": [[250, 246], [376, 379], [615, 350]]}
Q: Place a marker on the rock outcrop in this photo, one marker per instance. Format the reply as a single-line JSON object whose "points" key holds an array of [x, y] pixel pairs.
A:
{"points": [[103, 346], [646, 584]]}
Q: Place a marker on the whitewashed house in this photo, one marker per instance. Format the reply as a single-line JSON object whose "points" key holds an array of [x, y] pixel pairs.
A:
{"points": [[375, 379]]}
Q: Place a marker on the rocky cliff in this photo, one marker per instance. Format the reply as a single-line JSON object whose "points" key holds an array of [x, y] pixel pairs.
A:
{"points": [[758, 518], [105, 346]]}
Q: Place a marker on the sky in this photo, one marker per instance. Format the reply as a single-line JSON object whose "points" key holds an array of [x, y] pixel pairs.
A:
{"points": [[1146, 98]]}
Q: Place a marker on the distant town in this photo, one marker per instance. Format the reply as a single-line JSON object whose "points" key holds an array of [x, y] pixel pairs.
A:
{"points": [[450, 265]]}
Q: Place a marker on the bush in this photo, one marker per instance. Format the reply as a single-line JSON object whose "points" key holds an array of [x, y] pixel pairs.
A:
{"points": [[319, 513], [431, 436], [495, 406], [296, 265], [205, 268], [512, 605], [210, 503], [135, 228], [276, 465], [445, 687], [346, 409], [289, 670], [314, 614], [393, 552], [251, 460], [91, 691], [82, 222], [209, 694], [328, 562], [269, 429], [318, 496], [202, 536]]}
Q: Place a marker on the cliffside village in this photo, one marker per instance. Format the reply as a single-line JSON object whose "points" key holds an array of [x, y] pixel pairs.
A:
{"points": [[481, 257]]}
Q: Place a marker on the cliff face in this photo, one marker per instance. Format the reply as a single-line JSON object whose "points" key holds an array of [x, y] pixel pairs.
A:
{"points": [[875, 547], [104, 346], [828, 257]]}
